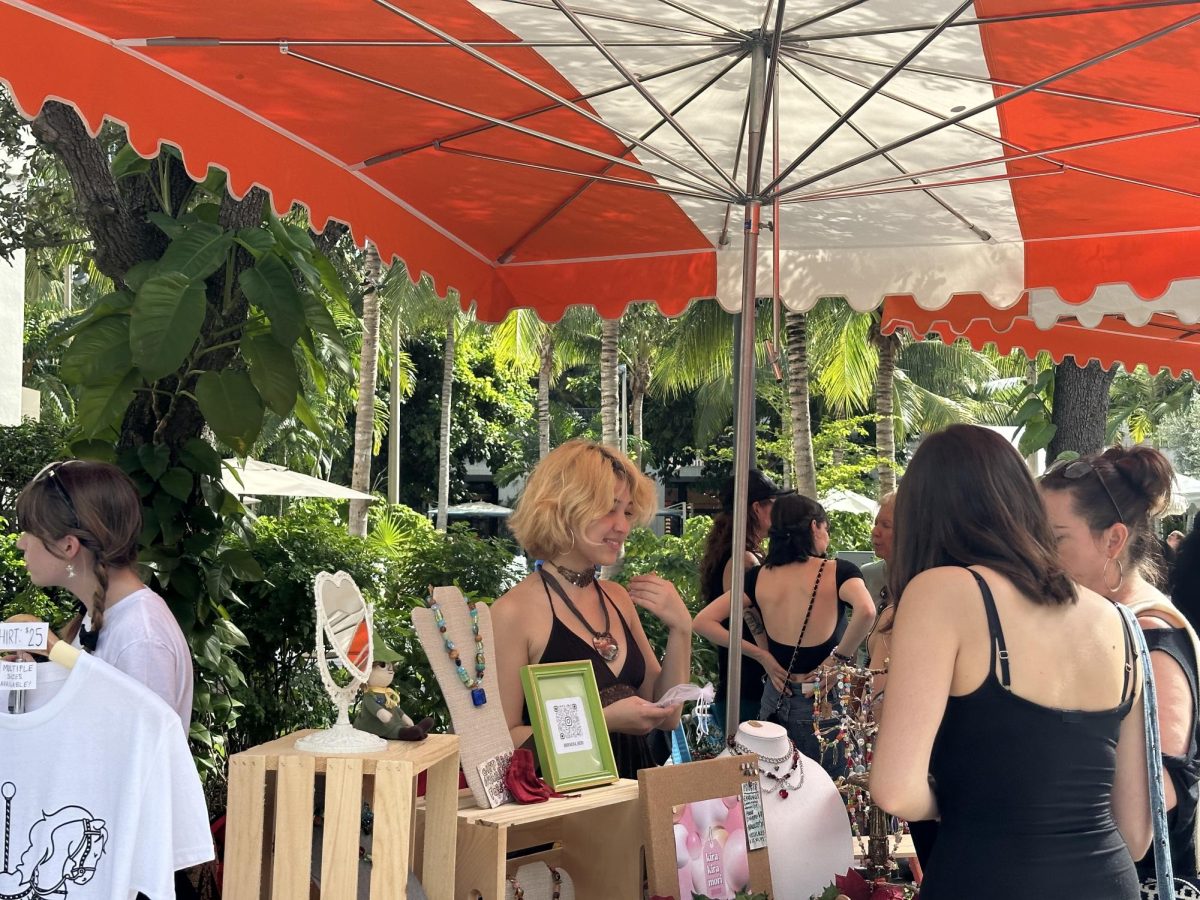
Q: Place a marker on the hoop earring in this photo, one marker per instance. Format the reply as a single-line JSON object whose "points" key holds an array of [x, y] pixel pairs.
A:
{"points": [[1112, 589]]}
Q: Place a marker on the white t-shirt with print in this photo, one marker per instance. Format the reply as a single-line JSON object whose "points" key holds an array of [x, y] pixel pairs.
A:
{"points": [[141, 637], [100, 795]]}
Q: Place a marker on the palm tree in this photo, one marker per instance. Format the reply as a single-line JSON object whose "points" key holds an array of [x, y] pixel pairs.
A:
{"points": [[1139, 403], [610, 336], [364, 412], [525, 343], [798, 403], [444, 425]]}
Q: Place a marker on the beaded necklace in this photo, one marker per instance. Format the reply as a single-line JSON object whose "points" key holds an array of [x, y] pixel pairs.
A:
{"points": [[780, 782], [474, 685]]}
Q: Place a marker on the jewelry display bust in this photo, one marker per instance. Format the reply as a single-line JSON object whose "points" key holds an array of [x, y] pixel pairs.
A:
{"points": [[803, 811], [481, 728]]}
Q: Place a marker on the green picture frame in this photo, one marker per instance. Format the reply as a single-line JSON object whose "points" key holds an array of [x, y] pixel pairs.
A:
{"points": [[569, 731]]}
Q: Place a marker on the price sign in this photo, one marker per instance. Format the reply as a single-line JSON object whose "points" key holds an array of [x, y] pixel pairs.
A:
{"points": [[23, 636]]}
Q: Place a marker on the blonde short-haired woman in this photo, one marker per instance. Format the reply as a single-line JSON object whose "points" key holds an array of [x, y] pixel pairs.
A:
{"points": [[577, 509]]}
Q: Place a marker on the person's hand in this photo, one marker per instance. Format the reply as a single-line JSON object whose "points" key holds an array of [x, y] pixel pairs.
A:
{"points": [[658, 596], [776, 672], [636, 715], [823, 676]]}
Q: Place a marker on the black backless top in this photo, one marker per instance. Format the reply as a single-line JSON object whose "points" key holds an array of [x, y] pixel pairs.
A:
{"points": [[631, 751], [753, 674], [1025, 794]]}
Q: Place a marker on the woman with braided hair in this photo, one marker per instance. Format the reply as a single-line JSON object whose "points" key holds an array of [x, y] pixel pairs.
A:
{"points": [[80, 524]]}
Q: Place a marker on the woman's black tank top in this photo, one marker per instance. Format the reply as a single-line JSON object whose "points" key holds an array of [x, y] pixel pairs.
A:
{"points": [[1025, 794]]}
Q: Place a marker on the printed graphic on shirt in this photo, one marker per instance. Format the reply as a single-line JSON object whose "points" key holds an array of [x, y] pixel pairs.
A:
{"points": [[64, 849]]}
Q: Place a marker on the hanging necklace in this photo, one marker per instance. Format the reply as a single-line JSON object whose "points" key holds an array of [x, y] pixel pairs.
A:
{"points": [[606, 645], [575, 576], [771, 760], [782, 782], [474, 685]]}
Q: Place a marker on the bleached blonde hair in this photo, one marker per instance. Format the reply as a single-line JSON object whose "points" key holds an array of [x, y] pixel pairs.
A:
{"points": [[571, 487]]}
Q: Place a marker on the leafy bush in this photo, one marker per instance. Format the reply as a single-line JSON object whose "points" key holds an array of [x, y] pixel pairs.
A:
{"points": [[849, 531], [19, 595], [481, 568], [24, 450]]}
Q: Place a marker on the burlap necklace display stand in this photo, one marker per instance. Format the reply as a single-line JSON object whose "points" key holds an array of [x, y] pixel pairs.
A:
{"points": [[810, 825], [482, 730], [537, 883]]}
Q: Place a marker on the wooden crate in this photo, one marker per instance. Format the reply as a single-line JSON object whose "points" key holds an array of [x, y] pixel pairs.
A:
{"points": [[269, 828], [595, 835]]}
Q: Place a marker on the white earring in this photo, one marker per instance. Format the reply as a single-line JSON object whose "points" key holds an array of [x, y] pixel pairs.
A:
{"points": [[70, 570]]}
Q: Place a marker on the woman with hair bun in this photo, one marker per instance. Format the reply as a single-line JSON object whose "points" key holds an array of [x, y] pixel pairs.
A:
{"points": [[1101, 509], [574, 515], [80, 522], [796, 591]]}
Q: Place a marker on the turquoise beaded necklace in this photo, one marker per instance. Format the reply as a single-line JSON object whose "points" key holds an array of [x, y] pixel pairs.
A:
{"points": [[474, 685]]}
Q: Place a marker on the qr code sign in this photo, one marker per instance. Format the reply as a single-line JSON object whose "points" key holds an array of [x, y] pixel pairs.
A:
{"points": [[568, 725]]}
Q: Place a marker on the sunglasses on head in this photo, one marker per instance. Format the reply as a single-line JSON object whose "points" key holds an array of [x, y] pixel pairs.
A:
{"points": [[1079, 468], [50, 474]]}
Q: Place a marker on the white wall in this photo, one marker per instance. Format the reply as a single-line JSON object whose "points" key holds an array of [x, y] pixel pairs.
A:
{"points": [[12, 327]]}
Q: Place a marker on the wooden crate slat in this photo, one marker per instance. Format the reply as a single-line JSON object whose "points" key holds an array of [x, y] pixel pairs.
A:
{"points": [[342, 825], [244, 834], [393, 820], [291, 875]]}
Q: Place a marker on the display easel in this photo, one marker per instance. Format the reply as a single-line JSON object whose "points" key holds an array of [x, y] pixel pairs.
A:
{"points": [[268, 835], [596, 836]]}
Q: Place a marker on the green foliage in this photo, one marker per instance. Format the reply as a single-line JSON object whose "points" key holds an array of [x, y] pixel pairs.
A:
{"points": [[24, 450], [480, 568], [18, 594], [676, 559]]}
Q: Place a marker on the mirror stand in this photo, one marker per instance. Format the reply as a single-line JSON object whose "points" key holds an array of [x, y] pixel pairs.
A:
{"points": [[342, 737]]}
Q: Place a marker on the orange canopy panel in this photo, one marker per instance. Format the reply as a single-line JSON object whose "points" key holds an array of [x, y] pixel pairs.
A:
{"points": [[1163, 341], [539, 154]]}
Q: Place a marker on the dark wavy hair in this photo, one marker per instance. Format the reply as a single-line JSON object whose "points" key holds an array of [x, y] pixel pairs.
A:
{"points": [[1139, 479], [719, 549], [966, 499], [791, 533]]}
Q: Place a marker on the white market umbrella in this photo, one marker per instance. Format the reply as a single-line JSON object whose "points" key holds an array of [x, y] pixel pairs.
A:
{"points": [[849, 501], [258, 478]]}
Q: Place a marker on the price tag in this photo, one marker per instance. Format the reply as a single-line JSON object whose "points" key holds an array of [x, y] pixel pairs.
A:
{"points": [[23, 636], [18, 676], [752, 811]]}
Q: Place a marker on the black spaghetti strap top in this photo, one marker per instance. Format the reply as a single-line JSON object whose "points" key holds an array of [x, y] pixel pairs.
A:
{"points": [[632, 752], [1025, 793]]}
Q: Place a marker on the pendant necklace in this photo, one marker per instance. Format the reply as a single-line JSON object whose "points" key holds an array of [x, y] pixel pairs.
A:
{"points": [[474, 685], [780, 782], [606, 645]]}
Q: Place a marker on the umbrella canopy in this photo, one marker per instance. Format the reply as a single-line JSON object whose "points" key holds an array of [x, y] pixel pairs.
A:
{"points": [[849, 501], [524, 152], [1185, 494], [253, 476], [475, 509]]}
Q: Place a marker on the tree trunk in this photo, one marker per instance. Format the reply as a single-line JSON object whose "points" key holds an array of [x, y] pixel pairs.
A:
{"points": [[393, 489], [444, 429], [610, 333], [798, 400], [639, 384], [545, 376], [364, 410], [885, 428], [1080, 410]]}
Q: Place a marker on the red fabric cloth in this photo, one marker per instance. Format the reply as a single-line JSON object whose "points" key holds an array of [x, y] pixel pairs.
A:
{"points": [[522, 780]]}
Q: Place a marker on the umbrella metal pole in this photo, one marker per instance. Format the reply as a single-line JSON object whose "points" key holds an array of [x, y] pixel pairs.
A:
{"points": [[744, 425]]}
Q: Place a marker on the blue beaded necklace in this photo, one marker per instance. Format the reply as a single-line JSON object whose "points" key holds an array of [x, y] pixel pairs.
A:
{"points": [[474, 685]]}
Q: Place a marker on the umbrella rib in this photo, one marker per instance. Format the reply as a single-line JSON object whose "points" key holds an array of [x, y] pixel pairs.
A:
{"points": [[575, 195], [733, 30], [848, 193], [723, 238], [1139, 182], [575, 173], [768, 96], [995, 20], [520, 129], [549, 107], [971, 226], [991, 104], [617, 17], [623, 70], [858, 104], [404, 44], [820, 17], [549, 94], [799, 52]]}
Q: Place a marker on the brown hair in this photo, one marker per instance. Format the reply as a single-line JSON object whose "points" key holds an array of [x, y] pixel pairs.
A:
{"points": [[571, 487], [1139, 480], [966, 499], [96, 503], [718, 548]]}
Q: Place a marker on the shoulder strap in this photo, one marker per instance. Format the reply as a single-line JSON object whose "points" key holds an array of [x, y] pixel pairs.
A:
{"points": [[1158, 805], [995, 633]]}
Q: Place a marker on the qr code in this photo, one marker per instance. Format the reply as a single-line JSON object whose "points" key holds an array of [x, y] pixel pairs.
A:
{"points": [[568, 725]]}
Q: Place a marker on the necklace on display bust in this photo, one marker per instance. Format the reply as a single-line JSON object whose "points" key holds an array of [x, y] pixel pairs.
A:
{"points": [[474, 685], [780, 781], [604, 642], [575, 576]]}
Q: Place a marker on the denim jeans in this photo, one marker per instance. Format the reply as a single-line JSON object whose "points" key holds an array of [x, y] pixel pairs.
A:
{"points": [[795, 713]]}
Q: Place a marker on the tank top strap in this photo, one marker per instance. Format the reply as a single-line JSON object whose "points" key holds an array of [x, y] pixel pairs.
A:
{"points": [[546, 588], [995, 633], [1128, 681]]}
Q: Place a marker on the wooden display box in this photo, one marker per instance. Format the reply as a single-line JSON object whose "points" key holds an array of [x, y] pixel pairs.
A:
{"points": [[596, 836], [269, 828]]}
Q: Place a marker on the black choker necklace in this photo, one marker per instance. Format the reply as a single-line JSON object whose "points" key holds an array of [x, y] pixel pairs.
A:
{"points": [[576, 577]]}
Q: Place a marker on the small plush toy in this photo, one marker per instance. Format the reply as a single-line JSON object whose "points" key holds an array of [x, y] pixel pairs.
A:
{"points": [[379, 711]]}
